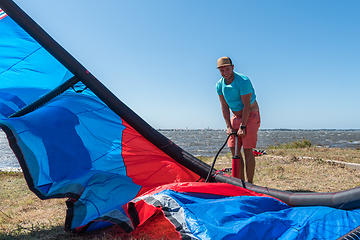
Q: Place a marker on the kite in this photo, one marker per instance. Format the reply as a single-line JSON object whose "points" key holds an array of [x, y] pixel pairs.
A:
{"points": [[75, 139]]}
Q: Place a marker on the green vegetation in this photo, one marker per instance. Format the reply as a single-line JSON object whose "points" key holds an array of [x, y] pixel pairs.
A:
{"points": [[293, 145]]}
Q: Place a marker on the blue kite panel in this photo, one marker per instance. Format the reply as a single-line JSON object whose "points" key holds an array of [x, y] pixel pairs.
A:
{"points": [[27, 70], [248, 217]]}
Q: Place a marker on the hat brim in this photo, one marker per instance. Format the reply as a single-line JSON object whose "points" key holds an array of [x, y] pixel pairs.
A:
{"points": [[227, 64]]}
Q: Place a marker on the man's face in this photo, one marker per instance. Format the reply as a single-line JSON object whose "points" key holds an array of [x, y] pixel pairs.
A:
{"points": [[226, 71]]}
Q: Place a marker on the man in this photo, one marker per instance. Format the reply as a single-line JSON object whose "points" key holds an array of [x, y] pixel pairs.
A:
{"points": [[237, 94]]}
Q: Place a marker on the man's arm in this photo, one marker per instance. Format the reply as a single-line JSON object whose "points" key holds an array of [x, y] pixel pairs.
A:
{"points": [[246, 99], [226, 114]]}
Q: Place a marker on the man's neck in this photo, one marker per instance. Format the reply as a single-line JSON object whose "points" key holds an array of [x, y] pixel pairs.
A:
{"points": [[230, 80]]}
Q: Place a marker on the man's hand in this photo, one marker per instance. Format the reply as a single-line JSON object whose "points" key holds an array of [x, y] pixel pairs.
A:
{"points": [[241, 132], [229, 130]]}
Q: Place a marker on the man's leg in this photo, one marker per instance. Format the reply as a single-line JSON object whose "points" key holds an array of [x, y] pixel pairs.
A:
{"points": [[249, 143], [250, 164]]}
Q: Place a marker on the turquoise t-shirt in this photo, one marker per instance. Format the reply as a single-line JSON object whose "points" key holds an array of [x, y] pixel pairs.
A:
{"points": [[233, 92]]}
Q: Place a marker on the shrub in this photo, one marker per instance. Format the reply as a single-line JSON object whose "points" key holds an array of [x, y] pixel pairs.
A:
{"points": [[296, 144]]}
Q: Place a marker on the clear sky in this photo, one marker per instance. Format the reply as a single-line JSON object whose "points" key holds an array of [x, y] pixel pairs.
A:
{"points": [[159, 57]]}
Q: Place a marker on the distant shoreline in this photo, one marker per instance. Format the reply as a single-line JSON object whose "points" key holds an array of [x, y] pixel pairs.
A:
{"points": [[207, 142]]}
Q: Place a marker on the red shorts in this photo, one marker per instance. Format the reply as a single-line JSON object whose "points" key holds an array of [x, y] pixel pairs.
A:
{"points": [[252, 127]]}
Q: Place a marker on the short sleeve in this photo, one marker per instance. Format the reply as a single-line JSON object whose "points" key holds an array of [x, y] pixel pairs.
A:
{"points": [[219, 88], [246, 87]]}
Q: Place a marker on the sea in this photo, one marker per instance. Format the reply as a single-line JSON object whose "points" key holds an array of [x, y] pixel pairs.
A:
{"points": [[208, 142]]}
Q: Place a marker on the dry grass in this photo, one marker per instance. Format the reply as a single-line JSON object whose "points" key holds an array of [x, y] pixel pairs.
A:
{"points": [[338, 154], [287, 169], [22, 213], [293, 174], [301, 174], [24, 216]]}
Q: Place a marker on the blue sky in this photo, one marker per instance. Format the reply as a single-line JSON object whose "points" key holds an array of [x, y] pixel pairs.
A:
{"points": [[159, 57]]}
